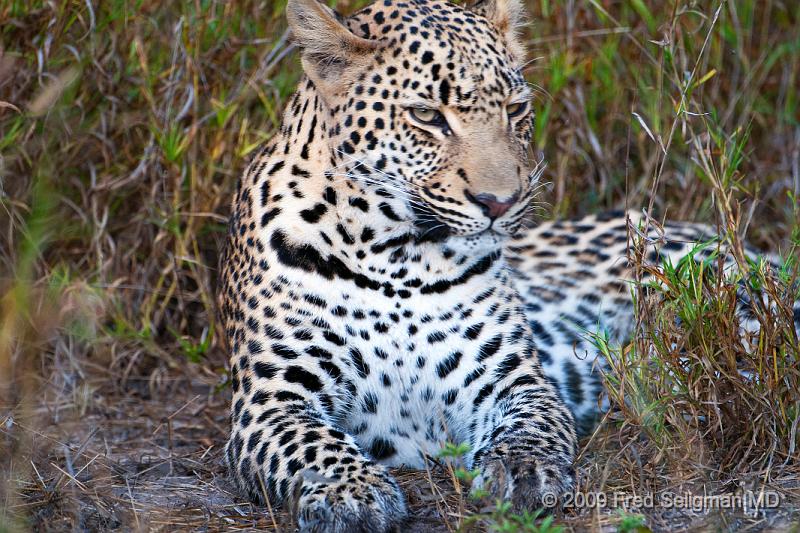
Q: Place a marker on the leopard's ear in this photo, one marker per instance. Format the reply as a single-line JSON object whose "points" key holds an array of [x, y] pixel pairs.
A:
{"points": [[329, 50], [507, 16]]}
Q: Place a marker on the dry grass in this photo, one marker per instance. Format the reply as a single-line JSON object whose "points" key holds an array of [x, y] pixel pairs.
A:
{"points": [[123, 127]]}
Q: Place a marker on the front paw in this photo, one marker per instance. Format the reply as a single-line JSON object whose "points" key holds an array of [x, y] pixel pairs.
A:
{"points": [[528, 481], [365, 500]]}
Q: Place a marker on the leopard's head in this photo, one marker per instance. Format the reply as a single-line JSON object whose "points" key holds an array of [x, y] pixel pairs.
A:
{"points": [[426, 102]]}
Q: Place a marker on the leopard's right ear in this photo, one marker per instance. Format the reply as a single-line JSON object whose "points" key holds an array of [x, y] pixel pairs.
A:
{"points": [[507, 16], [330, 51]]}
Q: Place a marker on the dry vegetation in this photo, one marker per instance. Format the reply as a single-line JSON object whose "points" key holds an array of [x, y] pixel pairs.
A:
{"points": [[123, 126]]}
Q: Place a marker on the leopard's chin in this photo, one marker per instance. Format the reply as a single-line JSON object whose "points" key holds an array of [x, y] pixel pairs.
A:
{"points": [[482, 242]]}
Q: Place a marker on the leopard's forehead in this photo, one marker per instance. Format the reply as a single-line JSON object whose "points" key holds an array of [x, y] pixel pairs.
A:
{"points": [[430, 41]]}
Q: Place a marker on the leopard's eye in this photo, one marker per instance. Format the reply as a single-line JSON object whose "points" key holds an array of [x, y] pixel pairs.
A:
{"points": [[517, 109], [428, 116]]}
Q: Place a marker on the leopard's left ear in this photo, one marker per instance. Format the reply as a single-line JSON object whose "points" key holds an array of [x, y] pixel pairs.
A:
{"points": [[507, 16], [331, 53]]}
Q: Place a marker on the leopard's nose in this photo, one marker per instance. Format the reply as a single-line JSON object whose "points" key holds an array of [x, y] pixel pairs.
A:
{"points": [[491, 206]]}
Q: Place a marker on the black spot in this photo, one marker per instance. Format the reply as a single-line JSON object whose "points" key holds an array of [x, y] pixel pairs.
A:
{"points": [[444, 91], [392, 243], [674, 246], [358, 361], [483, 394], [332, 370], [295, 374], [473, 331], [475, 374], [244, 468], [436, 336], [329, 195], [367, 234], [313, 215], [297, 171], [253, 441], [389, 212], [303, 335], [333, 338], [449, 364], [310, 454], [315, 300], [490, 347], [308, 258], [286, 396], [318, 353], [265, 370], [449, 397], [294, 466], [264, 192], [284, 351], [276, 167], [359, 203], [573, 382], [273, 332], [269, 215], [509, 364], [262, 454], [540, 333], [260, 397], [370, 403], [343, 233], [381, 449]]}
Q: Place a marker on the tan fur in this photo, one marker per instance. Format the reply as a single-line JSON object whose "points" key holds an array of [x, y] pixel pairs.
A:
{"points": [[495, 174], [508, 16], [329, 50]]}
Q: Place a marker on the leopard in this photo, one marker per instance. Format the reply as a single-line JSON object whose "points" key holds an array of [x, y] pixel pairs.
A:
{"points": [[382, 291]]}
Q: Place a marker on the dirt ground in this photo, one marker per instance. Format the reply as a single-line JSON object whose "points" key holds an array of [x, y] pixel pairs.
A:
{"points": [[147, 463], [151, 461]]}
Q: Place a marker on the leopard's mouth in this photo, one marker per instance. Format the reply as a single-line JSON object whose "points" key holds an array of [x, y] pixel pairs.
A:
{"points": [[431, 229]]}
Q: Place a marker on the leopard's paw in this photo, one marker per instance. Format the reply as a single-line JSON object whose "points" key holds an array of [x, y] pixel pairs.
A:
{"points": [[366, 500], [528, 481]]}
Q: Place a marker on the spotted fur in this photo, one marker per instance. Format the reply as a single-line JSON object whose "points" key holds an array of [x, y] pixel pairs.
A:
{"points": [[574, 279], [372, 307]]}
